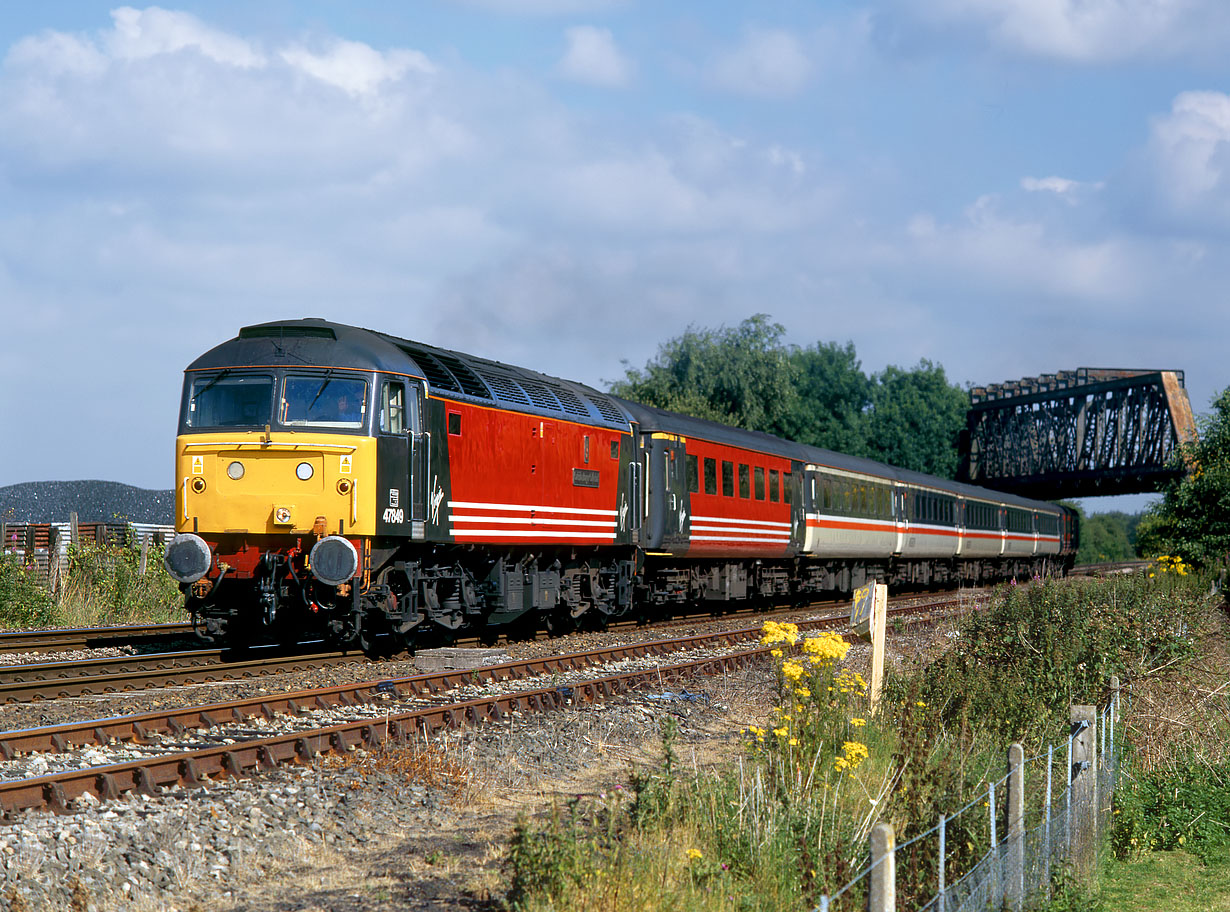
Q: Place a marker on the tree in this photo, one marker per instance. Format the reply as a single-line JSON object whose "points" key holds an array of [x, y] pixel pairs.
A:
{"points": [[916, 419], [1193, 519], [1107, 537], [741, 376], [833, 397]]}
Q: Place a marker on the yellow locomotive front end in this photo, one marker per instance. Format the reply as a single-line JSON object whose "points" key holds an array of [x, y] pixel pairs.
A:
{"points": [[272, 509]]}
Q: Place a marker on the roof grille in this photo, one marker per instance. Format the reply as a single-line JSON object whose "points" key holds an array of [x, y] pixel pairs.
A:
{"points": [[540, 395], [607, 409], [286, 332], [569, 402], [506, 388], [437, 374], [470, 384]]}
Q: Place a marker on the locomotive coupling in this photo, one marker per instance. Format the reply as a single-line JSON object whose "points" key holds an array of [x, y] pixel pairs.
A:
{"points": [[187, 558], [334, 560]]}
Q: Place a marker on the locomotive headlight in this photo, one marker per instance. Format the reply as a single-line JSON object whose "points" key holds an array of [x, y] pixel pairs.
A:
{"points": [[235, 471], [198, 485], [303, 471], [343, 486]]}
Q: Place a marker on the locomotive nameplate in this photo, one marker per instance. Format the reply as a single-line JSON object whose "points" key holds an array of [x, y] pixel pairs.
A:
{"points": [[584, 478]]}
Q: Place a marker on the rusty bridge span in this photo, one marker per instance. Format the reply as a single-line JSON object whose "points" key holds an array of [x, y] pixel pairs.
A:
{"points": [[1078, 433]]}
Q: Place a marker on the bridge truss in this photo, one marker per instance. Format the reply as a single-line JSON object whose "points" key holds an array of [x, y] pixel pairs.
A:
{"points": [[1078, 433]]}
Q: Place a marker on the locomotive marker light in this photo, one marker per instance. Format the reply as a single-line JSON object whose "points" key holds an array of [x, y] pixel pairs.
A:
{"points": [[867, 617], [334, 560], [303, 471], [187, 558]]}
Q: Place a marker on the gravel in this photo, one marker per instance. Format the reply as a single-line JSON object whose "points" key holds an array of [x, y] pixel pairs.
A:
{"points": [[92, 501]]}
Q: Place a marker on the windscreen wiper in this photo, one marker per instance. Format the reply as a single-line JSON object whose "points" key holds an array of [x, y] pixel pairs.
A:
{"points": [[210, 385], [319, 391]]}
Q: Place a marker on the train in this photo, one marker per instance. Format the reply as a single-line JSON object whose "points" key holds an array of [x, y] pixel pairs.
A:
{"points": [[343, 483]]}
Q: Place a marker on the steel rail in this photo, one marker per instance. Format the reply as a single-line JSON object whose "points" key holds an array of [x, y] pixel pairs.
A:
{"points": [[53, 680], [62, 640], [55, 791], [173, 722]]}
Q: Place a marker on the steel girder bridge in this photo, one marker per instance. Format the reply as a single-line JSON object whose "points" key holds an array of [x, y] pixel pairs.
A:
{"points": [[1078, 433]]}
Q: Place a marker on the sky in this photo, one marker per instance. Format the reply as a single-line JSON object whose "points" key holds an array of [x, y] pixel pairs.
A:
{"points": [[1003, 187]]}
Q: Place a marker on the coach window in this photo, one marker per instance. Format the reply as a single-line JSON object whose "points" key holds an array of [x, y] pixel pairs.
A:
{"points": [[773, 489], [758, 479], [393, 408], [728, 478], [710, 475], [693, 475], [454, 424], [745, 483], [786, 487]]}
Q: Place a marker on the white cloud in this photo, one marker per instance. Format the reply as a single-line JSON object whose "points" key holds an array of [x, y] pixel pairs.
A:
{"points": [[768, 63], [542, 7], [1087, 31], [1059, 185], [145, 33], [593, 57], [357, 68], [1190, 150]]}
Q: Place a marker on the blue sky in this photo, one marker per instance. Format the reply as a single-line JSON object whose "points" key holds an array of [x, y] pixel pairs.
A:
{"points": [[1005, 187]]}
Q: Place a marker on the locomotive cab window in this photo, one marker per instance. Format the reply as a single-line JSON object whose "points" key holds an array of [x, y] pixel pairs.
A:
{"points": [[324, 402], [392, 408], [710, 475], [228, 400]]}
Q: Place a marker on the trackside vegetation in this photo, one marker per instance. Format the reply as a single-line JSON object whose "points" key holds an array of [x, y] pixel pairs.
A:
{"points": [[787, 820], [103, 585]]}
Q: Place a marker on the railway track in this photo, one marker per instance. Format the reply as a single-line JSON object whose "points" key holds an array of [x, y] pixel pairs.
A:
{"points": [[65, 640], [388, 711]]}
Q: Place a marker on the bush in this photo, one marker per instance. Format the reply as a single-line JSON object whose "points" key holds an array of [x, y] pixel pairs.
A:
{"points": [[23, 603], [104, 585], [1184, 807]]}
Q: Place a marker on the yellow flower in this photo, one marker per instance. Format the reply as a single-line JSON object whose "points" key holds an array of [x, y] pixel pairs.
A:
{"points": [[803, 692], [792, 671], [793, 741], [859, 722], [826, 649], [776, 653], [920, 703], [777, 632], [781, 732], [694, 854]]}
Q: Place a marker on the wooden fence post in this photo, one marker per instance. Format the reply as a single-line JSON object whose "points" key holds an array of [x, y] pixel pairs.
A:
{"points": [[1014, 845], [1084, 779], [883, 893]]}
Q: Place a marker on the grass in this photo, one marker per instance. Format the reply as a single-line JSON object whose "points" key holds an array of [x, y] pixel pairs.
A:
{"points": [[789, 820], [103, 585], [1176, 881]]}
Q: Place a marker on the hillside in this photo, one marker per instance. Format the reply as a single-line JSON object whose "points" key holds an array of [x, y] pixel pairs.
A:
{"points": [[93, 501]]}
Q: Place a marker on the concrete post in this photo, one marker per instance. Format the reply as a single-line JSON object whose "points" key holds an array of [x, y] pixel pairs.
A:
{"points": [[883, 896], [1084, 785], [1014, 846]]}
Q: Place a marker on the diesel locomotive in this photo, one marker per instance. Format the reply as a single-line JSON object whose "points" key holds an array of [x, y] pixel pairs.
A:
{"points": [[343, 483]]}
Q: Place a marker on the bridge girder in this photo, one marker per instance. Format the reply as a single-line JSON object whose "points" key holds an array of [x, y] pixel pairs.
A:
{"points": [[1082, 433]]}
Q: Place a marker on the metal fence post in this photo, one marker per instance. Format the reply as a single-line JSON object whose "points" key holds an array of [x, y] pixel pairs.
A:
{"points": [[941, 899], [997, 880], [1046, 829], [883, 894], [1014, 861]]}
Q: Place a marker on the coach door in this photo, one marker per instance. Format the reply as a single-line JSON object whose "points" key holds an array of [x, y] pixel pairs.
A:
{"points": [[675, 480]]}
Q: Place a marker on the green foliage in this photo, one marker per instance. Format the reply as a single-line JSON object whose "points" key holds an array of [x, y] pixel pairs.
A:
{"points": [[1107, 537], [23, 603], [734, 375], [104, 585], [1186, 806], [916, 419], [1193, 519], [747, 376], [1035, 649]]}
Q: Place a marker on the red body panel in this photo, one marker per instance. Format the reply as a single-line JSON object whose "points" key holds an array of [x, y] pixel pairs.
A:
{"points": [[738, 526], [513, 481]]}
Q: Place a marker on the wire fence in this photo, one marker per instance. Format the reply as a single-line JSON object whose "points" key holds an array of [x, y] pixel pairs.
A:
{"points": [[1047, 814]]}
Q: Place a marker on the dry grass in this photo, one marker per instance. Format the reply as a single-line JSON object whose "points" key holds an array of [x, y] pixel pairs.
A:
{"points": [[1184, 709]]}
